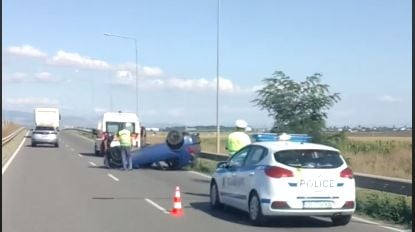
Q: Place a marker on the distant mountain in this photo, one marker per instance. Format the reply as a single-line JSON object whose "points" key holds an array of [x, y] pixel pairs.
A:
{"points": [[27, 119]]}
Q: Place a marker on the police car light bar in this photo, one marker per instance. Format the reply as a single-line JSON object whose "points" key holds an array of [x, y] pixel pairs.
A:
{"points": [[266, 137]]}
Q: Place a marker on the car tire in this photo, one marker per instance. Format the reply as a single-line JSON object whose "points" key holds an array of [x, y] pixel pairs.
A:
{"points": [[33, 144], [255, 211], [115, 158], [56, 144], [214, 196], [341, 220], [175, 139]]}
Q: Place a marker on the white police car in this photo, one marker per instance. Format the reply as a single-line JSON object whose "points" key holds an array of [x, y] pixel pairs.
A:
{"points": [[287, 176]]}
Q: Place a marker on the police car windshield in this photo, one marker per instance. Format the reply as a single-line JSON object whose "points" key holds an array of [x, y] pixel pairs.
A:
{"points": [[309, 158]]}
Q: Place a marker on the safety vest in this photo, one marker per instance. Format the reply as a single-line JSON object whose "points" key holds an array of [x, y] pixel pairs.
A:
{"points": [[237, 140], [124, 136]]}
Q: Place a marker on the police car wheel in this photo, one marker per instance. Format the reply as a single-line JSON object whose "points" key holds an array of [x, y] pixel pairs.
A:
{"points": [[255, 211], [214, 196], [341, 220]]}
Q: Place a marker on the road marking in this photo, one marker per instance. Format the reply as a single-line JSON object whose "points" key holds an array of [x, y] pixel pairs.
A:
{"points": [[79, 155], [3, 169], [93, 164], [201, 174], [113, 177], [391, 228], [375, 223], [364, 220], [157, 206]]}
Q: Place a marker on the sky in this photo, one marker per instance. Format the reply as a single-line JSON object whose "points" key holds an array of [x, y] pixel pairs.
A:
{"points": [[55, 54]]}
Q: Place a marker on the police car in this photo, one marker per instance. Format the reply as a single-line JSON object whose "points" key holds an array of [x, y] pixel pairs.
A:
{"points": [[285, 175]]}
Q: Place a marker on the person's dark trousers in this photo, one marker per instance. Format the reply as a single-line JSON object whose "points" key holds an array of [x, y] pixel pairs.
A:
{"points": [[126, 158]]}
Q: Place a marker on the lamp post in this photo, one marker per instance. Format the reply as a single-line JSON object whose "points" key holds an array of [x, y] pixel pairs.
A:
{"points": [[217, 82], [136, 65]]}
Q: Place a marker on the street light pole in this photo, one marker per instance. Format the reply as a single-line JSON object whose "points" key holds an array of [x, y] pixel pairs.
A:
{"points": [[217, 82], [136, 65]]}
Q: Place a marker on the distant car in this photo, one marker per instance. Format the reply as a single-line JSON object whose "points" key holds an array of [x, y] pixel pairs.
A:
{"points": [[288, 177], [45, 135]]}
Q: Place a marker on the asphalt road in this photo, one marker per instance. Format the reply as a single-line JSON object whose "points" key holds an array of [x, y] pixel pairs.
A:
{"points": [[67, 189]]}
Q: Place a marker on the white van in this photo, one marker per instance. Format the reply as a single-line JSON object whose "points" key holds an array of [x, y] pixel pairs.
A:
{"points": [[111, 122]]}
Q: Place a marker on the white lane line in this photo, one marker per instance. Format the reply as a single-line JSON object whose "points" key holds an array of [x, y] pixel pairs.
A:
{"points": [[157, 206], [375, 223], [3, 169], [201, 174], [79, 155], [92, 163], [364, 220], [394, 229], [113, 177]]}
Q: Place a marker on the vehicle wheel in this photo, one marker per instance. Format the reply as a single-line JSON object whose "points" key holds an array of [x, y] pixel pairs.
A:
{"points": [[56, 144], [255, 211], [341, 220], [214, 196], [174, 139], [33, 144], [115, 158]]}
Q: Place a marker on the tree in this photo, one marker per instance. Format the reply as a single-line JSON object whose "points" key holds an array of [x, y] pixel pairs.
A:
{"points": [[296, 107]]}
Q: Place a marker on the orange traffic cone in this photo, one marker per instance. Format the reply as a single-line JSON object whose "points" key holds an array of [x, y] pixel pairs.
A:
{"points": [[177, 203]]}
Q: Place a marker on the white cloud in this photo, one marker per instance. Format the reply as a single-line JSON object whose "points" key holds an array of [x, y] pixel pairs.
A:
{"points": [[151, 71], [32, 101], [77, 61], [16, 77], [388, 98], [225, 85], [26, 50], [100, 109], [19, 77], [46, 77], [143, 71], [176, 113]]}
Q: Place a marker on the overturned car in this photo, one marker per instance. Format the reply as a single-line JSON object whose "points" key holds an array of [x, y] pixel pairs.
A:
{"points": [[179, 150]]}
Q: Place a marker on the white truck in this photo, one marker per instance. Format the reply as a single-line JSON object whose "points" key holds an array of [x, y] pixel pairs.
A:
{"points": [[111, 123], [47, 117]]}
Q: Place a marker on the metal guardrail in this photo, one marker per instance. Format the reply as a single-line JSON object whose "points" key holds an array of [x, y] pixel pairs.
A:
{"points": [[363, 180], [11, 136]]}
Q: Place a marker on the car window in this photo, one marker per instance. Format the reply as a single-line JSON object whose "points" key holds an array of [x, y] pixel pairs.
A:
{"points": [[309, 158], [238, 158], [255, 155], [113, 127], [44, 128]]}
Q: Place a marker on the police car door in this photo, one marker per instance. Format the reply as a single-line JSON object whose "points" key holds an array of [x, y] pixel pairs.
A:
{"points": [[232, 181], [246, 173]]}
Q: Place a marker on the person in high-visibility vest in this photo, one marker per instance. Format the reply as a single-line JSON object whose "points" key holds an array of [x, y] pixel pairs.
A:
{"points": [[124, 136], [238, 139]]}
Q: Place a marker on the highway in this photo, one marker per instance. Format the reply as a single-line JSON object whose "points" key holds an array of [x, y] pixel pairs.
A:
{"points": [[67, 189]]}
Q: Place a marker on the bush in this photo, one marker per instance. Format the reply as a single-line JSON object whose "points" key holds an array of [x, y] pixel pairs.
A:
{"points": [[380, 205]]}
